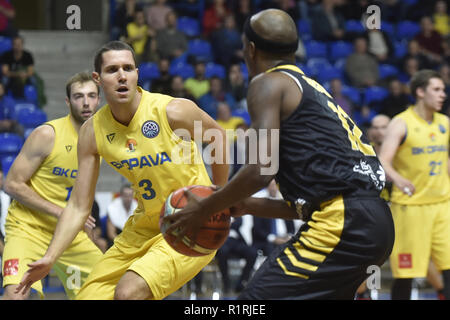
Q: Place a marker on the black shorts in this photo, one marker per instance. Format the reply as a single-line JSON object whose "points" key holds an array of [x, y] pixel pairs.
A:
{"points": [[330, 255]]}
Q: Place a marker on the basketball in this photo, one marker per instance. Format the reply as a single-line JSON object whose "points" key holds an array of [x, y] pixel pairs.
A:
{"points": [[211, 235]]}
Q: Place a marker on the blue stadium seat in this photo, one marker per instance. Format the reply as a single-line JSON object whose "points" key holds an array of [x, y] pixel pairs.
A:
{"points": [[407, 30], [316, 64], [7, 163], [304, 29], [183, 70], [213, 69], [388, 28], [31, 119], [22, 106], [339, 50], [244, 71], [30, 93], [5, 44], [329, 73], [305, 69], [200, 49], [189, 26], [375, 94], [148, 71], [400, 49], [10, 144], [354, 26], [387, 70], [315, 49], [352, 93]]}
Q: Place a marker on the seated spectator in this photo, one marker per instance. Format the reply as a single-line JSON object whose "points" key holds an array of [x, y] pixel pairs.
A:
{"points": [[397, 100], [363, 117], [430, 41], [177, 89], [242, 10], [379, 45], [236, 85], [441, 18], [216, 94], [410, 67], [124, 16], [288, 6], [7, 15], [327, 24], [360, 66], [236, 247], [199, 84], [7, 124], [17, 67], [225, 119], [156, 13], [98, 238], [119, 210], [171, 42], [444, 71], [162, 83], [214, 17], [226, 43], [140, 36], [415, 52], [343, 101]]}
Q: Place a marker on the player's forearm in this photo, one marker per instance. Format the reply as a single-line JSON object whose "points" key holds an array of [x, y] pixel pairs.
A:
{"points": [[69, 224], [269, 208], [29, 198], [220, 173]]}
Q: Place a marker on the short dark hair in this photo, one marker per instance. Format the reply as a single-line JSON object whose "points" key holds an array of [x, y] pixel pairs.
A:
{"points": [[421, 79], [81, 77], [112, 45]]}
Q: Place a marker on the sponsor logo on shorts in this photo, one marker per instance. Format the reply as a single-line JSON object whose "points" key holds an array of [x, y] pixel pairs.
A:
{"points": [[405, 260], [11, 267]]}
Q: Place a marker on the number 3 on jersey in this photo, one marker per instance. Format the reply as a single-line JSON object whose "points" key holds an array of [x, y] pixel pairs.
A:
{"points": [[147, 187], [354, 133]]}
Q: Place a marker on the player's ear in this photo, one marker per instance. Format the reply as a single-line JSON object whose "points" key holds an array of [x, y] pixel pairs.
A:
{"points": [[420, 92], [251, 49], [96, 77]]}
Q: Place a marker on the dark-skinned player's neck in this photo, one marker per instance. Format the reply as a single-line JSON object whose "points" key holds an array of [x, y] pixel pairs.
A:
{"points": [[124, 112], [265, 65]]}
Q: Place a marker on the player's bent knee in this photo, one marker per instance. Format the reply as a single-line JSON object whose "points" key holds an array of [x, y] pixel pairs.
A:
{"points": [[11, 295], [132, 287]]}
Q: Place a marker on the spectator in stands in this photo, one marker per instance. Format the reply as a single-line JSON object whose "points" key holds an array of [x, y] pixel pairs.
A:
{"points": [[162, 83], [242, 10], [7, 123], [343, 101], [327, 24], [226, 43], [17, 67], [415, 52], [430, 41], [441, 19], [178, 90], [199, 84], [119, 210], [214, 17], [140, 36], [410, 67], [393, 11], [379, 45], [124, 16], [225, 119], [236, 247], [7, 15], [353, 10], [156, 14], [360, 66], [444, 71], [171, 42], [288, 6], [397, 100], [216, 94], [236, 85]]}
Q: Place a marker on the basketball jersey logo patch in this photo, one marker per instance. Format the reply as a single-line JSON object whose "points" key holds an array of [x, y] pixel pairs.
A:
{"points": [[11, 267], [405, 260], [110, 137], [150, 129], [442, 128], [68, 148]]}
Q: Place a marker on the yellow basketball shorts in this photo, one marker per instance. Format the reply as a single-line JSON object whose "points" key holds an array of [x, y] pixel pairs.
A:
{"points": [[164, 269], [421, 232], [25, 244]]}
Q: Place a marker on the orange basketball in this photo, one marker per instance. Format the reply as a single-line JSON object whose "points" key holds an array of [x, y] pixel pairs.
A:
{"points": [[211, 235]]}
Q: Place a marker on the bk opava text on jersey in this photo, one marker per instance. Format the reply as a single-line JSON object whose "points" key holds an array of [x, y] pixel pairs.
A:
{"points": [[260, 146]]}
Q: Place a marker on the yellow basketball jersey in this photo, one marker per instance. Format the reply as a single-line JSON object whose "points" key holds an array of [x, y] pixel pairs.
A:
{"points": [[150, 155], [54, 179], [422, 159]]}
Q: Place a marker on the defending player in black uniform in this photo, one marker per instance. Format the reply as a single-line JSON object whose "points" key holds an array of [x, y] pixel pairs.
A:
{"points": [[328, 174]]}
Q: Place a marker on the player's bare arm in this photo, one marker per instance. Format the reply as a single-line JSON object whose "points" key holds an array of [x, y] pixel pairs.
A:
{"points": [[265, 98], [77, 211], [181, 114], [36, 148], [395, 133]]}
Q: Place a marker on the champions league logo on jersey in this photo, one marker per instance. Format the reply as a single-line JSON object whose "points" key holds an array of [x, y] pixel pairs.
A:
{"points": [[150, 129]]}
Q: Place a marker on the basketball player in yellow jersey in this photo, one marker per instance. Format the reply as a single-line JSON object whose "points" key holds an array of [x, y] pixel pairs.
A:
{"points": [[415, 155], [135, 134], [40, 182]]}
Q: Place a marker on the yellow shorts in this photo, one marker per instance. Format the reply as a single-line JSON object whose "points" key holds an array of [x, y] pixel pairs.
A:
{"points": [[421, 232], [25, 244], [164, 269]]}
